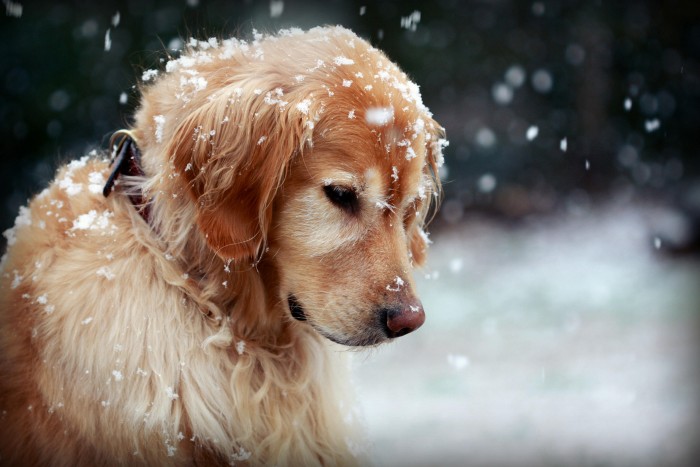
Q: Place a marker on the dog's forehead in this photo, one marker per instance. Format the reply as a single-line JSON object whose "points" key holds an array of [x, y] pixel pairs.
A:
{"points": [[388, 156]]}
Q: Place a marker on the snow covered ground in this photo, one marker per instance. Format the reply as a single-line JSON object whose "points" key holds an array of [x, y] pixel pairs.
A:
{"points": [[573, 342]]}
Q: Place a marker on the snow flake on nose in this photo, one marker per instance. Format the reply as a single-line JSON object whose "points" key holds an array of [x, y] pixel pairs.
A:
{"points": [[399, 283]]}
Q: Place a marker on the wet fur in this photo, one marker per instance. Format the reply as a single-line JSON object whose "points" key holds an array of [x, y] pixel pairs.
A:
{"points": [[172, 343]]}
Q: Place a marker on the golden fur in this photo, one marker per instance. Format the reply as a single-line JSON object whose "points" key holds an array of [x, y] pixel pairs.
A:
{"points": [[123, 343]]}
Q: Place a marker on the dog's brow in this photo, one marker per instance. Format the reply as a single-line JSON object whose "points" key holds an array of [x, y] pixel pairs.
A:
{"points": [[342, 178]]}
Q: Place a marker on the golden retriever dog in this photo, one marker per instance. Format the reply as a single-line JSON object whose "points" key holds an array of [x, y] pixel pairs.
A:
{"points": [[183, 305]]}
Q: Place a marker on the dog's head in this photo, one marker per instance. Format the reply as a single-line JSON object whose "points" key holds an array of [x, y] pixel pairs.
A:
{"points": [[313, 154]]}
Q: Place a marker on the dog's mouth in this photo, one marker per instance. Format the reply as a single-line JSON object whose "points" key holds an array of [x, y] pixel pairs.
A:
{"points": [[295, 308], [373, 335]]}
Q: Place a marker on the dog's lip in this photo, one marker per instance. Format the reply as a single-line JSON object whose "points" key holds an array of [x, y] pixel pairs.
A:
{"points": [[369, 339], [361, 341], [295, 308]]}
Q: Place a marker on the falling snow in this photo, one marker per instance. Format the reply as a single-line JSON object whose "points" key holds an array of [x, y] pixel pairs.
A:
{"points": [[502, 93], [515, 76], [276, 8], [532, 132], [486, 183], [652, 125], [458, 362], [411, 21], [542, 81], [485, 137], [13, 9], [563, 145]]}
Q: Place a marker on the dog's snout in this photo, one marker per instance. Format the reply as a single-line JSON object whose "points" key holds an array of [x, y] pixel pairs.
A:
{"points": [[400, 320]]}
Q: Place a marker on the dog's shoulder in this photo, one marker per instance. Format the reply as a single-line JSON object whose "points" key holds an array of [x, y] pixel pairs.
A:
{"points": [[93, 337], [70, 205]]}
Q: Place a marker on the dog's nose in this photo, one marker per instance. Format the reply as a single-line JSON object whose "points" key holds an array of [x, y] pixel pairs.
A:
{"points": [[400, 320]]}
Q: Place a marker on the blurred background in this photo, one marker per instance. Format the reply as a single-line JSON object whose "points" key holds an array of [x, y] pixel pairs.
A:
{"points": [[563, 291]]}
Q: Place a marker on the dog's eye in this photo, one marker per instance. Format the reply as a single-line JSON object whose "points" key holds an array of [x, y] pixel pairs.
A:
{"points": [[343, 197]]}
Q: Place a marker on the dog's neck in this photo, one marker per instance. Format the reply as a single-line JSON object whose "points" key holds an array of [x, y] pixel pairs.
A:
{"points": [[126, 160]]}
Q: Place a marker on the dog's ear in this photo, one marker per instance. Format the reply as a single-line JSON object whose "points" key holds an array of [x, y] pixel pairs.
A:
{"points": [[418, 245], [233, 152], [434, 142]]}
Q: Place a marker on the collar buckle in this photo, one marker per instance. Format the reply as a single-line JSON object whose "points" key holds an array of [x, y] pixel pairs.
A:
{"points": [[126, 160]]}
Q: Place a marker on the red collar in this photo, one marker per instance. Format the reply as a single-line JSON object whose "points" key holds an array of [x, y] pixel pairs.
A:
{"points": [[127, 161]]}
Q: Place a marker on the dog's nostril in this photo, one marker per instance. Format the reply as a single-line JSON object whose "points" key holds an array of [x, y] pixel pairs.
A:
{"points": [[402, 332], [402, 320]]}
